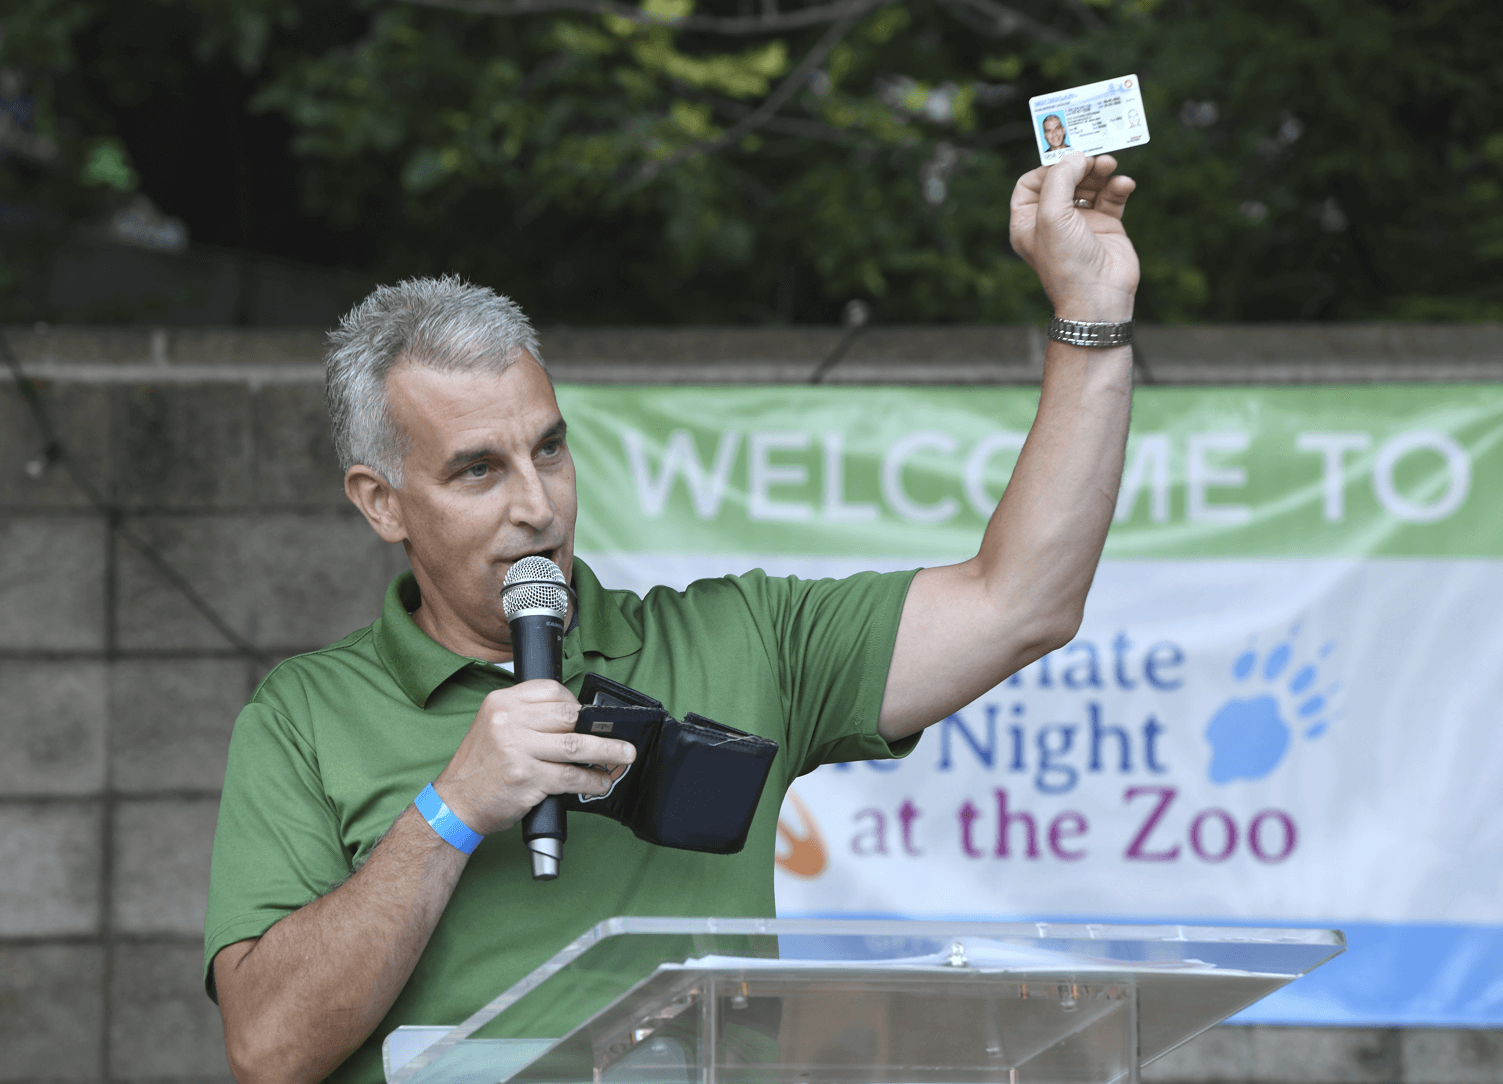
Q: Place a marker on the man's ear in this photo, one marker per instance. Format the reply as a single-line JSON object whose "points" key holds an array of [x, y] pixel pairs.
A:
{"points": [[378, 500]]}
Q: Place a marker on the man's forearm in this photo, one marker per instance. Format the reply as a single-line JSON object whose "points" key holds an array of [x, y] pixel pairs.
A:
{"points": [[305, 995], [1041, 548], [966, 627]]}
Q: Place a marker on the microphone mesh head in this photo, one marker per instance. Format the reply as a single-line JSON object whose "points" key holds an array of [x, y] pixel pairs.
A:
{"points": [[519, 596]]}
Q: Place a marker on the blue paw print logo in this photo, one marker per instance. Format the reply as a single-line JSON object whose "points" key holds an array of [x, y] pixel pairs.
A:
{"points": [[1250, 735]]}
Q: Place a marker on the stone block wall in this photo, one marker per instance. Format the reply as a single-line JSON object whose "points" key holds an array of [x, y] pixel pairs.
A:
{"points": [[117, 695], [209, 455]]}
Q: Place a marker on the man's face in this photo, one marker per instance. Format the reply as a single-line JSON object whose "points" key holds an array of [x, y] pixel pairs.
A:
{"points": [[489, 480], [1054, 132]]}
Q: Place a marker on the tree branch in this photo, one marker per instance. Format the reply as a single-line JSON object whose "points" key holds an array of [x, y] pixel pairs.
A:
{"points": [[794, 126], [809, 129], [544, 71], [785, 90], [1000, 21], [1088, 18], [771, 21]]}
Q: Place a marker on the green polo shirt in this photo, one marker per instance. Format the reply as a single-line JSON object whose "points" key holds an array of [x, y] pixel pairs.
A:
{"points": [[335, 744]]}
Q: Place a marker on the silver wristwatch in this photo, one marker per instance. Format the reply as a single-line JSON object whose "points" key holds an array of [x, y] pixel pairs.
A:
{"points": [[1077, 333]]}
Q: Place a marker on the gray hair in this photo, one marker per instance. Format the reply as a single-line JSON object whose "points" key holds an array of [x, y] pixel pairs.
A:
{"points": [[445, 324]]}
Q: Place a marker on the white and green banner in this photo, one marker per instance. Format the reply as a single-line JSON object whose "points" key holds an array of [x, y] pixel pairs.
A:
{"points": [[1283, 706]]}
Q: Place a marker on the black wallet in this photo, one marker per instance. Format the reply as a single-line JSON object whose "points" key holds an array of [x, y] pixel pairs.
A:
{"points": [[695, 783]]}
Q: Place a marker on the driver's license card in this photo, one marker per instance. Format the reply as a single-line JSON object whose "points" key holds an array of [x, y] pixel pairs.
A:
{"points": [[1094, 119]]}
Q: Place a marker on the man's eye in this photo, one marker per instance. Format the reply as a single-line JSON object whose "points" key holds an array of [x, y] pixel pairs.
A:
{"points": [[553, 447], [477, 470]]}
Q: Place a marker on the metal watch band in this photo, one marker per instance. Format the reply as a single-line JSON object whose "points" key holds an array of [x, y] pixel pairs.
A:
{"points": [[1077, 333]]}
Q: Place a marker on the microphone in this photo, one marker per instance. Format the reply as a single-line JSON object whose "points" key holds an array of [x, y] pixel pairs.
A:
{"points": [[536, 601]]}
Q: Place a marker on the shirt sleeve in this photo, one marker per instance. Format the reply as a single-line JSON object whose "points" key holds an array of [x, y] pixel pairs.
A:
{"points": [[277, 844], [834, 649]]}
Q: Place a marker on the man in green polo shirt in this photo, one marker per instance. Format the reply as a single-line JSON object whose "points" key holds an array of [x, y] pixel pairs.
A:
{"points": [[339, 909]]}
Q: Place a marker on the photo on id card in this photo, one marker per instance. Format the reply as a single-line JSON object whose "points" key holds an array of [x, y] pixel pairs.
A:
{"points": [[1093, 119]]}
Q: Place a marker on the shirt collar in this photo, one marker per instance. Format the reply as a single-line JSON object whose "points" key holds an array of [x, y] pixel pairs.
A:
{"points": [[603, 629], [420, 665]]}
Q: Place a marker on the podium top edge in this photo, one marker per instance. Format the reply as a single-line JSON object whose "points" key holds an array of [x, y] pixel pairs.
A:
{"points": [[1314, 946], [1033, 931]]}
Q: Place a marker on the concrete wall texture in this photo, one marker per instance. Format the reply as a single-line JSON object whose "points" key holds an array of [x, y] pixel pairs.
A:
{"points": [[209, 449]]}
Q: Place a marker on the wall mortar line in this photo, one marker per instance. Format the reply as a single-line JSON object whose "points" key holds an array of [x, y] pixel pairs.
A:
{"points": [[107, 819]]}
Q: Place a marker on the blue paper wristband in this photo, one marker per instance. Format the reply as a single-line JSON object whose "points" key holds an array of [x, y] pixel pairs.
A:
{"points": [[446, 822]]}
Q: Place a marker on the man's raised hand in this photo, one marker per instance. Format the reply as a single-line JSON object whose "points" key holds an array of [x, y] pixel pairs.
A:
{"points": [[1067, 224], [520, 749]]}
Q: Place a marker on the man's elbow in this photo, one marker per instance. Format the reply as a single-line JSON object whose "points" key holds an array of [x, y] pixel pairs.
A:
{"points": [[1030, 621], [262, 1052], [250, 1043], [1050, 631], [264, 1062], [248, 1064], [252, 1061], [245, 1063]]}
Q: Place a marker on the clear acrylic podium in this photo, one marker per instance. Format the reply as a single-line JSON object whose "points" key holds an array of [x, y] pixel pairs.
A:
{"points": [[804, 1001]]}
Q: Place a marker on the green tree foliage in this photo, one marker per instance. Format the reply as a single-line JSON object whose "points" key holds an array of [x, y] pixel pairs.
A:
{"points": [[753, 161]]}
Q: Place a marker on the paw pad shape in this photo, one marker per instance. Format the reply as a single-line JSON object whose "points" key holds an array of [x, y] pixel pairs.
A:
{"points": [[1249, 736]]}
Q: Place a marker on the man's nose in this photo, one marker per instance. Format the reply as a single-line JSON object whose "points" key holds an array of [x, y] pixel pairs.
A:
{"points": [[530, 505]]}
